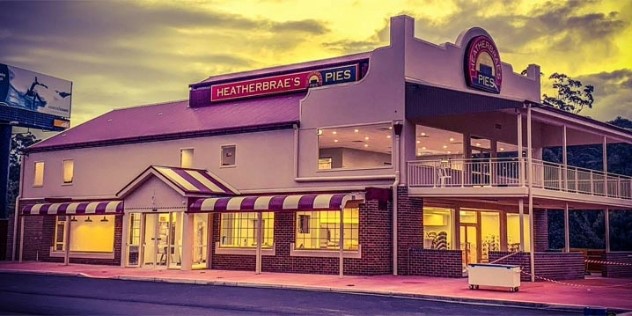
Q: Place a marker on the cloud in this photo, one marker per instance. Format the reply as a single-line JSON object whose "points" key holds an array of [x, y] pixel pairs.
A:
{"points": [[613, 93], [304, 26]]}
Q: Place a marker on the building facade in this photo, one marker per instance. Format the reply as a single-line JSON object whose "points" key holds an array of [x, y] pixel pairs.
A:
{"points": [[412, 159]]}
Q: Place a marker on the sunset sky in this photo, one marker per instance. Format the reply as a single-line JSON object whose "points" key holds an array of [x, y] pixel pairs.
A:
{"points": [[125, 53]]}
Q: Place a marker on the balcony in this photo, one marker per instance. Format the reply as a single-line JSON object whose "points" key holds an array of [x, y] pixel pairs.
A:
{"points": [[507, 177]]}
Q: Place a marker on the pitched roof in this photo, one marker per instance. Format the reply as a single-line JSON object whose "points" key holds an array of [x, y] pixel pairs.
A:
{"points": [[188, 182], [175, 120]]}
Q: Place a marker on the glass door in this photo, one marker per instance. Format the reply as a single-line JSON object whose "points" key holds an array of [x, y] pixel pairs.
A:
{"points": [[200, 241], [151, 240], [469, 243], [133, 243]]}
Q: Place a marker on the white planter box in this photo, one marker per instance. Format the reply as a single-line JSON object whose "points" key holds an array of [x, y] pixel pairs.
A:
{"points": [[488, 274]]}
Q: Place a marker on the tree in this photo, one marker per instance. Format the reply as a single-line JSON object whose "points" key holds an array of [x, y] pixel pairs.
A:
{"points": [[572, 95], [18, 143]]}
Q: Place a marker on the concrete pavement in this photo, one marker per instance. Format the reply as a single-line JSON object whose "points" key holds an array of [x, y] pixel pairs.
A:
{"points": [[592, 292]]}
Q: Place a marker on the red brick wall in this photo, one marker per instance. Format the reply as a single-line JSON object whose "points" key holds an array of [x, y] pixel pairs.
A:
{"points": [[38, 239], [618, 271], [550, 265], [438, 263], [541, 230], [374, 238], [409, 227]]}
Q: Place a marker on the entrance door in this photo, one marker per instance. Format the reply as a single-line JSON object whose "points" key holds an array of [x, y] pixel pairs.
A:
{"points": [[162, 240], [469, 243], [133, 243]]}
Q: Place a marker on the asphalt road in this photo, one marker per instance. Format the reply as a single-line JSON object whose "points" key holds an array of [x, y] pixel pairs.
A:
{"points": [[56, 295]]}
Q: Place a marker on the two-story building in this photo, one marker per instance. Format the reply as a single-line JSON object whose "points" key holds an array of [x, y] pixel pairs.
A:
{"points": [[411, 159]]}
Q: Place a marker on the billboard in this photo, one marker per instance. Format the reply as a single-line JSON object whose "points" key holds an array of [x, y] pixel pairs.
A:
{"points": [[31, 91]]}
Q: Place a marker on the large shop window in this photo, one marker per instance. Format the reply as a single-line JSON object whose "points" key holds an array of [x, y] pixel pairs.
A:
{"points": [[355, 147], [438, 228], [38, 178], [87, 234], [239, 230], [320, 230], [513, 232]]}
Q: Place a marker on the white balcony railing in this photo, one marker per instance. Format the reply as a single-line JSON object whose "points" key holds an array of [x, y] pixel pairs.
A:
{"points": [[511, 172]]}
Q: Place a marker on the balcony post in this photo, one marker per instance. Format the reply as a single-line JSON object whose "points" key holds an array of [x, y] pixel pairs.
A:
{"points": [[520, 162], [530, 186], [605, 166], [607, 222], [564, 158], [567, 238]]}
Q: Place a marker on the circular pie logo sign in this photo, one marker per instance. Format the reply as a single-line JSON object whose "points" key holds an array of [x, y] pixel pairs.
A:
{"points": [[483, 70]]}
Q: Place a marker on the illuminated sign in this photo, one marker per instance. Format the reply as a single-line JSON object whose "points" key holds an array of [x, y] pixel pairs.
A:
{"points": [[483, 70], [283, 83], [61, 123]]}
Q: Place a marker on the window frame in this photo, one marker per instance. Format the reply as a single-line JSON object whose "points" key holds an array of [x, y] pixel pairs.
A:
{"points": [[248, 219], [182, 150], [354, 232], [35, 177], [221, 158], [63, 172]]}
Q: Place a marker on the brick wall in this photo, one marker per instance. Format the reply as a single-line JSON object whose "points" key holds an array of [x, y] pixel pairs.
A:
{"points": [[432, 262], [38, 239], [617, 271], [374, 238], [11, 222], [550, 265], [409, 227], [541, 230]]}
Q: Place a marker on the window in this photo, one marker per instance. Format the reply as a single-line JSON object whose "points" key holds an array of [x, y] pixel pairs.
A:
{"points": [[186, 158], [438, 228], [38, 179], [321, 229], [239, 230], [69, 170], [88, 233], [228, 155], [355, 147], [513, 232]]}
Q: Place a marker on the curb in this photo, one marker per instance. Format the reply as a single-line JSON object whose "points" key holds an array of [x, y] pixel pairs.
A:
{"points": [[314, 288]]}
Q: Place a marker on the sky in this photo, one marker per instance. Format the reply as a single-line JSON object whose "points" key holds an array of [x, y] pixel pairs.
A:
{"points": [[127, 53]]}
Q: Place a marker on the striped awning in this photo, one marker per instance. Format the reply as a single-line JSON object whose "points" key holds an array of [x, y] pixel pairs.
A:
{"points": [[274, 203], [75, 208]]}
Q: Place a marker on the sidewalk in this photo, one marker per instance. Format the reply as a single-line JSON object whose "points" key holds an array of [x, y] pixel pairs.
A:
{"points": [[593, 292]]}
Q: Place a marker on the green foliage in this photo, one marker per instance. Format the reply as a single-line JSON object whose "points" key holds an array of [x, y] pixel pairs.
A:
{"points": [[18, 143], [572, 95]]}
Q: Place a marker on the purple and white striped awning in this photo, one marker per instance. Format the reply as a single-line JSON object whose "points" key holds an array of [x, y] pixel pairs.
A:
{"points": [[274, 203], [75, 208]]}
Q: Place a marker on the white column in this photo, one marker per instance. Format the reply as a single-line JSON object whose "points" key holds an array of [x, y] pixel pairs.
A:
{"points": [[567, 233], [187, 241], [341, 242], [530, 184], [259, 242], [66, 240], [564, 159], [125, 239], [520, 160], [521, 220], [607, 222], [605, 166], [21, 238]]}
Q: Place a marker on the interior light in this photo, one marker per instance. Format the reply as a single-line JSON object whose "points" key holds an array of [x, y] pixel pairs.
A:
{"points": [[478, 144], [334, 132], [320, 132], [423, 148], [449, 152], [366, 137], [73, 219], [451, 139], [445, 146], [390, 127], [366, 145], [388, 136], [88, 220], [104, 219], [356, 130], [423, 134], [335, 140], [418, 141], [502, 149]]}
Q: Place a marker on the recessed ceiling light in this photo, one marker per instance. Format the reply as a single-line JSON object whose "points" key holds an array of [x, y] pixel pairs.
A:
{"points": [[423, 134], [423, 148], [388, 136], [478, 144], [366, 137], [445, 146], [335, 140], [418, 141], [502, 149], [366, 145], [320, 132], [390, 127], [449, 152], [451, 139], [356, 130], [334, 132]]}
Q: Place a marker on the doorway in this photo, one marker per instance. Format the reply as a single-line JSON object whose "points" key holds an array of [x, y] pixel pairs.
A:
{"points": [[469, 243], [155, 240]]}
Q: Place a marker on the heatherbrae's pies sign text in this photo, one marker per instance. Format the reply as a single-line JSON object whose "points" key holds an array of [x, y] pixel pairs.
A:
{"points": [[483, 70], [283, 83]]}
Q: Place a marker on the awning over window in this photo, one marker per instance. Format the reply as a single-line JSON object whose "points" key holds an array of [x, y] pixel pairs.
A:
{"points": [[75, 208], [274, 203]]}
